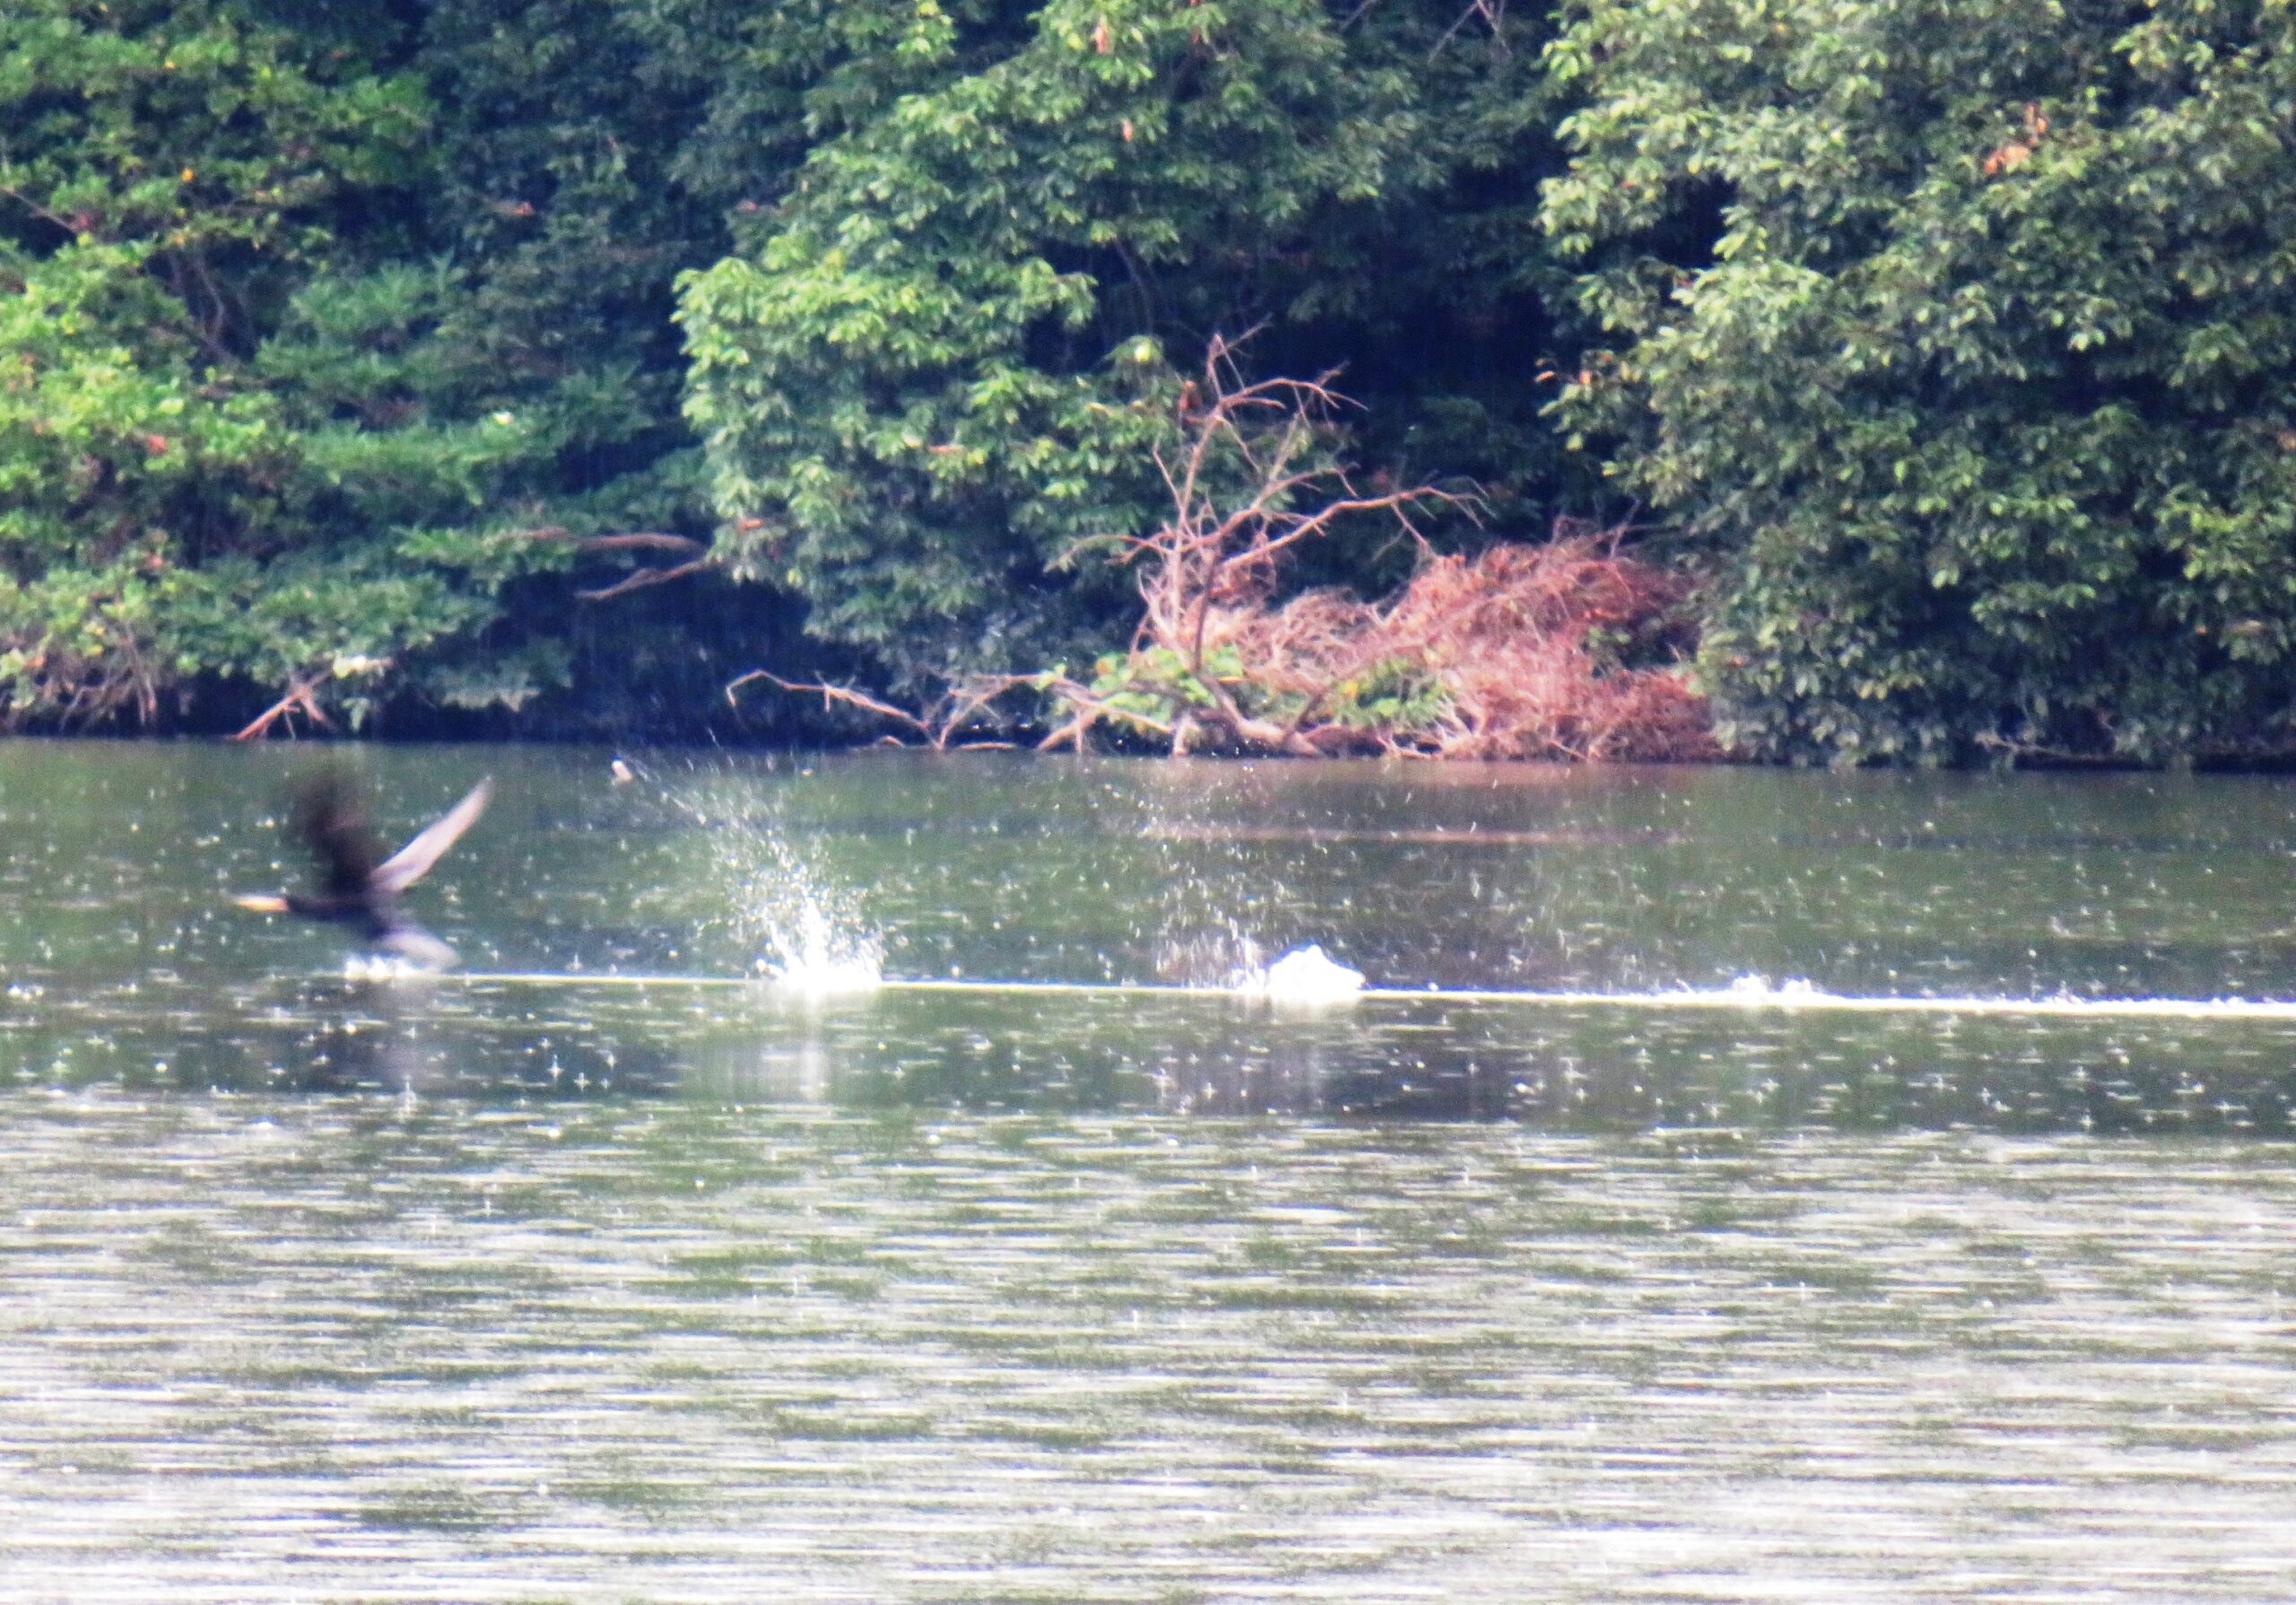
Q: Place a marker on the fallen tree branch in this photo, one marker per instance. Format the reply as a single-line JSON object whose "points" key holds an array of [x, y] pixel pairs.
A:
{"points": [[945, 718], [830, 695], [302, 697]]}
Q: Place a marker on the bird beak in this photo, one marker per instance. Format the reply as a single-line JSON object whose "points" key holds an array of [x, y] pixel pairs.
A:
{"points": [[263, 903]]}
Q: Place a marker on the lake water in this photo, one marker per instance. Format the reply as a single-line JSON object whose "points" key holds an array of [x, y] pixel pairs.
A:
{"points": [[1601, 1251]]}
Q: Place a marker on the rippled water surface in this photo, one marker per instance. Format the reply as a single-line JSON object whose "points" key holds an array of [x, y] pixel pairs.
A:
{"points": [[607, 1271]]}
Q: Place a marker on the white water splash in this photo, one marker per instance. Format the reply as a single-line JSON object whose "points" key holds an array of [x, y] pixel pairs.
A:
{"points": [[1758, 989], [1303, 976], [387, 966], [814, 954], [809, 932], [1217, 955]]}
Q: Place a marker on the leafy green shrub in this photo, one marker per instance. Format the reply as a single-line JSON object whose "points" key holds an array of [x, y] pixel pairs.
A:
{"points": [[1960, 338]]}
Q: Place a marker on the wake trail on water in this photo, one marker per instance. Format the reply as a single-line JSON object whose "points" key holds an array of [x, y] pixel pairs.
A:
{"points": [[814, 940], [1746, 995]]}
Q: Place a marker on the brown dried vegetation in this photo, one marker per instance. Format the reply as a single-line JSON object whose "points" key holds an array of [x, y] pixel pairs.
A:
{"points": [[1522, 652], [1515, 653]]}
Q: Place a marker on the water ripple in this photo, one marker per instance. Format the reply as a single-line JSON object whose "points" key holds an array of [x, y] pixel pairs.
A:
{"points": [[330, 1349]]}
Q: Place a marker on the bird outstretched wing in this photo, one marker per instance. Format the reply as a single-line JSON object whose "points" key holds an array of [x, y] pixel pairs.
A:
{"points": [[412, 862]]}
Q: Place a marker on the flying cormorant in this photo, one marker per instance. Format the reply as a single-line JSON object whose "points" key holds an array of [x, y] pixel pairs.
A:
{"points": [[359, 887]]}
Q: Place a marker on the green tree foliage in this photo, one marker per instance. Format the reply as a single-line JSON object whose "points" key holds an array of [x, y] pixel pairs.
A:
{"points": [[1963, 337], [168, 172], [531, 313], [954, 330], [297, 363], [338, 333]]}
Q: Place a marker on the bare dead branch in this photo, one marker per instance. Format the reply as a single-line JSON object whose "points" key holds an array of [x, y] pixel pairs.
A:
{"points": [[301, 698], [697, 554], [1218, 550], [69, 225], [645, 540], [828, 694], [640, 579], [947, 717], [1494, 15]]}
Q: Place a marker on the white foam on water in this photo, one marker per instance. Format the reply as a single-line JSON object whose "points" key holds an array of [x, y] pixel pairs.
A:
{"points": [[1798, 996], [386, 967], [1303, 976]]}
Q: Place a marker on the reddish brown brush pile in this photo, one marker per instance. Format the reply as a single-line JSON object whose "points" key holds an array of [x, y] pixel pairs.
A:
{"points": [[1517, 639]]}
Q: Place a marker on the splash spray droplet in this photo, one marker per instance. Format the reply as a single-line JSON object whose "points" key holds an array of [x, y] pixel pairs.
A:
{"points": [[810, 934]]}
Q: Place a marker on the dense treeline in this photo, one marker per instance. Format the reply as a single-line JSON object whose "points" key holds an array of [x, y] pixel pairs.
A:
{"points": [[541, 364], [1958, 334]]}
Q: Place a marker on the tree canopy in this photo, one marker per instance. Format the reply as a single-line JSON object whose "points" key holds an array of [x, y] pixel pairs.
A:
{"points": [[1957, 334], [952, 332], [304, 372], [376, 359]]}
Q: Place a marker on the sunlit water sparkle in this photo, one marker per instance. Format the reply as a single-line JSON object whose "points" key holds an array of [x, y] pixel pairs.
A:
{"points": [[1569, 1259]]}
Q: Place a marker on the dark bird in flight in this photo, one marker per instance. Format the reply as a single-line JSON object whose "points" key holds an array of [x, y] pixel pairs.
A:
{"points": [[357, 886]]}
